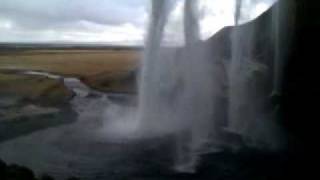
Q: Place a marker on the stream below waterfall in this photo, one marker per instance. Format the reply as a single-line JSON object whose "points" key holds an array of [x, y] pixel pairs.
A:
{"points": [[89, 150], [81, 149]]}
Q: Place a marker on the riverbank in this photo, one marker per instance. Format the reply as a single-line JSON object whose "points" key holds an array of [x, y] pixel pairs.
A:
{"points": [[34, 89], [29, 103], [108, 70]]}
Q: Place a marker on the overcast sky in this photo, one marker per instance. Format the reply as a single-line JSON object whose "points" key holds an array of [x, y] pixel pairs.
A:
{"points": [[108, 21]]}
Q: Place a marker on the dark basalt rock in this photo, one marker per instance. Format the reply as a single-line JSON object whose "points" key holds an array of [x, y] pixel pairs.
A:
{"points": [[46, 177], [16, 172], [3, 166], [297, 102], [298, 39], [300, 89]]}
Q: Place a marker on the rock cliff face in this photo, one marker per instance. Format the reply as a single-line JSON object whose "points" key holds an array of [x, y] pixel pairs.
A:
{"points": [[268, 47], [299, 28], [296, 56], [299, 35], [300, 89]]}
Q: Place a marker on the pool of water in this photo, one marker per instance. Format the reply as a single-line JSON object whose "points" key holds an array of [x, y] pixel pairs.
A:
{"points": [[90, 148], [84, 148]]}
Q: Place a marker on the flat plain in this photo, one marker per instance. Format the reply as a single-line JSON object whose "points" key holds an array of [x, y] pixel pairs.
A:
{"points": [[109, 70]]}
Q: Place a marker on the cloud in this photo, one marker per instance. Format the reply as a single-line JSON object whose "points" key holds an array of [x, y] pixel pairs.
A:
{"points": [[53, 11], [72, 20], [110, 21], [213, 16]]}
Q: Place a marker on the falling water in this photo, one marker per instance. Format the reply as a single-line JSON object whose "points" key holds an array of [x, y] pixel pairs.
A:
{"points": [[237, 13], [235, 68], [191, 22], [151, 84], [176, 86], [282, 36], [180, 89], [248, 115]]}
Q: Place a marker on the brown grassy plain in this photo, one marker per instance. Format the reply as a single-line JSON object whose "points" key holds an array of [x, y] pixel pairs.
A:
{"points": [[106, 70], [35, 89]]}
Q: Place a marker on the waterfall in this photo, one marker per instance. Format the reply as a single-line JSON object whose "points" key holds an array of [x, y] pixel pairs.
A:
{"points": [[152, 109], [237, 13], [282, 29], [175, 87], [191, 22], [182, 89], [249, 116], [235, 78]]}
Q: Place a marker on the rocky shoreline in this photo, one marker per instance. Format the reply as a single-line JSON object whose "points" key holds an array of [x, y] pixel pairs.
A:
{"points": [[29, 103], [30, 118]]}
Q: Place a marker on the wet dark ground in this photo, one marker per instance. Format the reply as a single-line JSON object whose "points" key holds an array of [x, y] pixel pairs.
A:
{"points": [[154, 159], [78, 150]]}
